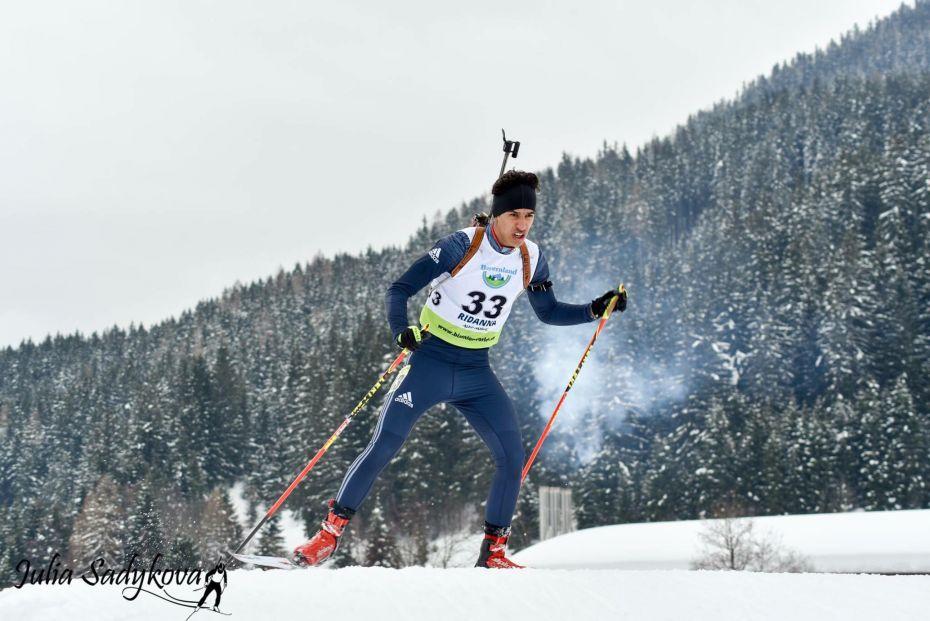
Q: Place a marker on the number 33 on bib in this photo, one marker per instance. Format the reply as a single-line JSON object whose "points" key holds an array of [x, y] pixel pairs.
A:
{"points": [[469, 306]]}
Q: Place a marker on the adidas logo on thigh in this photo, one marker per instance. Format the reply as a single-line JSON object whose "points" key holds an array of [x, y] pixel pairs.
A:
{"points": [[406, 399]]}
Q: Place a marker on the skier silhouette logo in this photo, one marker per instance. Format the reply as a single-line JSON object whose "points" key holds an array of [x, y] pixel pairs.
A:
{"points": [[212, 582]]}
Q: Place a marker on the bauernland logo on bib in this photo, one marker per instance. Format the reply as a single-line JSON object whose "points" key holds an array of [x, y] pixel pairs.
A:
{"points": [[498, 276]]}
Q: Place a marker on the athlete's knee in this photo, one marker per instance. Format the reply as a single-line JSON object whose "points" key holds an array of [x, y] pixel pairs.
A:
{"points": [[514, 463], [365, 470], [385, 447], [511, 457]]}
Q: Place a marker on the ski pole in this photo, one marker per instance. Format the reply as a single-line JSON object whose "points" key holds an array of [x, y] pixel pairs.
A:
{"points": [[345, 422], [510, 148], [542, 438]]}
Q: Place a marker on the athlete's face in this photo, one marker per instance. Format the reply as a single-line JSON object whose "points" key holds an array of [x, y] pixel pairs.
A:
{"points": [[512, 227]]}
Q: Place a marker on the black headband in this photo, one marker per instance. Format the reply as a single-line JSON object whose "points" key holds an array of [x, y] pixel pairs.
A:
{"points": [[517, 197]]}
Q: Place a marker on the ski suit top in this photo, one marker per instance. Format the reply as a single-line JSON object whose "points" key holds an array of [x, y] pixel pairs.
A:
{"points": [[216, 576], [487, 272]]}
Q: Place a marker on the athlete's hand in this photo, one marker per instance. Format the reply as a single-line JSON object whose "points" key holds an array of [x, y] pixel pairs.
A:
{"points": [[599, 305], [412, 337]]}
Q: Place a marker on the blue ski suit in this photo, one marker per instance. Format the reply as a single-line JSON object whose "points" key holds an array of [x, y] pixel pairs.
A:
{"points": [[440, 372]]}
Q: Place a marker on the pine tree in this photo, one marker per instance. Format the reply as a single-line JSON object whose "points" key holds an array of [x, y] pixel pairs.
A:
{"points": [[270, 539], [218, 528], [231, 410], [874, 469], [602, 486], [905, 449], [808, 461], [145, 534], [420, 546], [714, 451], [382, 546], [183, 553], [98, 529], [842, 425]]}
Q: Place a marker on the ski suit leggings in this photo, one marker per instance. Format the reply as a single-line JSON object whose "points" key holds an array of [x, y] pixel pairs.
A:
{"points": [[476, 392]]}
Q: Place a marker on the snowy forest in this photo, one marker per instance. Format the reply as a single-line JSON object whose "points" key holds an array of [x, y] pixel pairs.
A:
{"points": [[774, 357]]}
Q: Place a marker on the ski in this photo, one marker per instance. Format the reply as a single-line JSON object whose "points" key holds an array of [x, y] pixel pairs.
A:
{"points": [[177, 601], [199, 608], [273, 562]]}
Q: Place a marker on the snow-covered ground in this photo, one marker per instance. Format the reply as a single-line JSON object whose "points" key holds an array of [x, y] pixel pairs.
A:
{"points": [[880, 541], [575, 576], [537, 594]]}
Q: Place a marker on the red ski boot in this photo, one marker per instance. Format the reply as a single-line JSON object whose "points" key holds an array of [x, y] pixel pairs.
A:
{"points": [[493, 547], [324, 543]]}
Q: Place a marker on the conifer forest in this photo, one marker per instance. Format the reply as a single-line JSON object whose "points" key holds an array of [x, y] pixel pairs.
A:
{"points": [[774, 357]]}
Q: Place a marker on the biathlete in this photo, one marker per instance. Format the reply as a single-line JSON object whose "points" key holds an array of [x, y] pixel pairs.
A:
{"points": [[475, 275]]}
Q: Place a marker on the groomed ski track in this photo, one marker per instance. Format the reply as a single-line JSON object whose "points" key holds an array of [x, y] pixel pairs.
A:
{"points": [[377, 594]]}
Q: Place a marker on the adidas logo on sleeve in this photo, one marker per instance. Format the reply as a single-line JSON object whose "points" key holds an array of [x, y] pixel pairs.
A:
{"points": [[406, 399], [434, 254]]}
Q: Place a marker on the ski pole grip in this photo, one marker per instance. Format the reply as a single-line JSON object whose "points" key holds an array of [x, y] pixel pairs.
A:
{"points": [[613, 301]]}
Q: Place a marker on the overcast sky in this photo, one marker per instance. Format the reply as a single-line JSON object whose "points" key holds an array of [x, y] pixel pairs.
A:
{"points": [[154, 153]]}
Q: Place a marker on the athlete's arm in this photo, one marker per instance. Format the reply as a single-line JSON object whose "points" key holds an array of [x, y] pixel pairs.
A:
{"points": [[547, 307], [442, 258]]}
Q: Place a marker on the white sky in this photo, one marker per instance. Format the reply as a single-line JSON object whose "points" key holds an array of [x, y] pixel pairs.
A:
{"points": [[153, 153]]}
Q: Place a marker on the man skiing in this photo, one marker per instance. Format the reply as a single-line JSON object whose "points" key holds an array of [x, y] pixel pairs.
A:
{"points": [[213, 581], [475, 275]]}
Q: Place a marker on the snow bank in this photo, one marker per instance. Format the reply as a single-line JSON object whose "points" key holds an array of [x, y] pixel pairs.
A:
{"points": [[535, 594], [574, 576], [880, 541]]}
